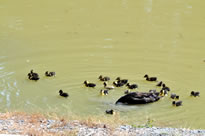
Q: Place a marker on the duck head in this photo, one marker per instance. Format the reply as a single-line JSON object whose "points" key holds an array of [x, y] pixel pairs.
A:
{"points": [[60, 91], [118, 78], [100, 77]]}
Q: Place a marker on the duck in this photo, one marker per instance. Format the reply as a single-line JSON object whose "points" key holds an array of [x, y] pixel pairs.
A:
{"points": [[195, 93], [104, 92], [132, 86], [106, 78], [117, 84], [33, 76], [126, 91], [150, 78], [177, 103], [164, 87], [122, 81], [87, 84], [173, 96], [159, 84], [138, 98], [50, 74], [163, 92], [108, 87], [111, 112], [61, 93]]}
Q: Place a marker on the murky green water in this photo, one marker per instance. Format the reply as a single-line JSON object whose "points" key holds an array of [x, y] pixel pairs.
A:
{"points": [[81, 40]]}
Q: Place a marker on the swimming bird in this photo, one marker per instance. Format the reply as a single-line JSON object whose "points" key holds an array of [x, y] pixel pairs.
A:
{"points": [[173, 96], [150, 78], [132, 86], [106, 78], [61, 93], [33, 76], [193, 93], [104, 92], [164, 87], [108, 87], [87, 84], [177, 103], [159, 84], [50, 74], [126, 91], [138, 98], [112, 112], [122, 81], [118, 84]]}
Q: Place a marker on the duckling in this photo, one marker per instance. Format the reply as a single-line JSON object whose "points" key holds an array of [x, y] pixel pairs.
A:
{"points": [[177, 103], [106, 78], [87, 84], [159, 84], [104, 92], [195, 93], [108, 87], [150, 78], [50, 74], [126, 91], [123, 81], [33, 76], [164, 87], [132, 86], [177, 97], [163, 93], [173, 96], [112, 112], [118, 84], [61, 93]]}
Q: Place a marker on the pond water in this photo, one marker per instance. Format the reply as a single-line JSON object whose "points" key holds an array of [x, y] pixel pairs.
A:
{"points": [[81, 40]]}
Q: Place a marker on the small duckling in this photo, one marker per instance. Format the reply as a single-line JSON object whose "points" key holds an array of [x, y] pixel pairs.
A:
{"points": [[127, 91], [50, 74], [123, 81], [61, 93], [87, 84], [106, 78], [163, 92], [118, 84], [173, 96], [195, 93], [164, 87], [104, 92], [150, 78], [112, 112], [177, 103], [132, 86], [108, 87], [159, 84], [33, 76]]}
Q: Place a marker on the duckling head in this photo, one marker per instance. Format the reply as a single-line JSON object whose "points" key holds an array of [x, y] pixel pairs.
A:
{"points": [[146, 76], [100, 77], [105, 84], [127, 84], [192, 93], [60, 91], [85, 82], [173, 103], [31, 71], [118, 78]]}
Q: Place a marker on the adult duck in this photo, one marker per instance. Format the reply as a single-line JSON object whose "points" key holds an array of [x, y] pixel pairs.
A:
{"points": [[87, 84], [150, 78], [138, 98]]}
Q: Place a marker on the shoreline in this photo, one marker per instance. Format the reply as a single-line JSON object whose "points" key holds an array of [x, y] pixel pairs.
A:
{"points": [[19, 123]]}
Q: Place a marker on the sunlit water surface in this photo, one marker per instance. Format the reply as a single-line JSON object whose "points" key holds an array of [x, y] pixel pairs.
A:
{"points": [[81, 40]]}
